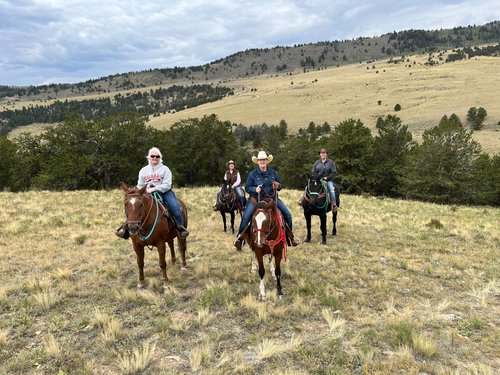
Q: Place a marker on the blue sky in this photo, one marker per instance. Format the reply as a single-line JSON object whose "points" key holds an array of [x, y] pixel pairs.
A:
{"points": [[54, 41]]}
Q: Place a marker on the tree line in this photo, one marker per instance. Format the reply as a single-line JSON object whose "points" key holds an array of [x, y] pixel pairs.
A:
{"points": [[448, 166], [155, 102]]}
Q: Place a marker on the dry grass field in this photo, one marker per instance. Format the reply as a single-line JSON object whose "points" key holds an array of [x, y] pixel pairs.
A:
{"points": [[405, 288], [425, 93]]}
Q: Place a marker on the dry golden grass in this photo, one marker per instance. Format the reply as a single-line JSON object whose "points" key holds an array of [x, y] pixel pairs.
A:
{"points": [[425, 94], [389, 294]]}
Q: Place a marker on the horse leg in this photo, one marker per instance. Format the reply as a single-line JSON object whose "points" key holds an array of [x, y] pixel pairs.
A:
{"points": [[262, 272], [308, 225], [181, 243], [334, 220], [162, 262], [139, 252], [322, 218], [254, 263], [223, 218], [172, 250], [272, 268], [277, 272], [232, 222]]}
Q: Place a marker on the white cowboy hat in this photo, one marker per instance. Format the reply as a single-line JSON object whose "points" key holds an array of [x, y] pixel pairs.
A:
{"points": [[262, 155]]}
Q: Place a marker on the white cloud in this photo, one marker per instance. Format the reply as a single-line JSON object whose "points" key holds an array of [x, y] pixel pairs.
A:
{"points": [[76, 40]]}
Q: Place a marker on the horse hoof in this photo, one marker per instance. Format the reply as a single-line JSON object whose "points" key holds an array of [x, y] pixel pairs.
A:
{"points": [[140, 286], [262, 297], [308, 239], [280, 297], [183, 268]]}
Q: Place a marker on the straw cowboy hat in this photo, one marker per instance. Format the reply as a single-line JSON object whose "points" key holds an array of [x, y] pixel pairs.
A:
{"points": [[262, 155], [231, 162]]}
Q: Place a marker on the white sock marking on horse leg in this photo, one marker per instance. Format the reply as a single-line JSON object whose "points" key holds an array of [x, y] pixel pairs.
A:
{"points": [[262, 288], [259, 219]]}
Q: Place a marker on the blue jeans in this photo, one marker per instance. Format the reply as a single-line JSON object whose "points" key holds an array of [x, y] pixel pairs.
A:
{"points": [[250, 208], [173, 205], [241, 195], [331, 189]]}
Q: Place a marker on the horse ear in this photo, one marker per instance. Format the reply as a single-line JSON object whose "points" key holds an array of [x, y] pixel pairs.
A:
{"points": [[143, 189], [124, 187]]}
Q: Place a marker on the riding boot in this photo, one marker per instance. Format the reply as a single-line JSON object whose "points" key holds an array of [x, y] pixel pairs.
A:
{"points": [[238, 242], [292, 240], [181, 230], [216, 206], [122, 231]]}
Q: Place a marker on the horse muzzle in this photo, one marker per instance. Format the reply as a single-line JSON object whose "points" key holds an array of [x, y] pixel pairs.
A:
{"points": [[133, 227]]}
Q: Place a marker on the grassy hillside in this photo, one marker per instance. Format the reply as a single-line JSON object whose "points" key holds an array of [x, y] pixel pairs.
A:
{"points": [[425, 93], [405, 287]]}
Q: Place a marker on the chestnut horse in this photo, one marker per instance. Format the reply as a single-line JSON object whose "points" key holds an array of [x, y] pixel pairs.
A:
{"points": [[317, 201], [229, 203], [148, 226], [267, 236]]}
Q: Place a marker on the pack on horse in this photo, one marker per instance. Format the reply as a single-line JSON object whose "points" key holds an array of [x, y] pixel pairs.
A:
{"points": [[267, 235], [149, 224], [316, 201], [228, 202]]}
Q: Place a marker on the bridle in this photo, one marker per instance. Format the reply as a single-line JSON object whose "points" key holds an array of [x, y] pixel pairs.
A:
{"points": [[321, 194], [144, 216]]}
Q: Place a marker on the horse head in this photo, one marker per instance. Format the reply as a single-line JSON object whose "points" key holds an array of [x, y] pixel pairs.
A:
{"points": [[263, 222], [315, 188], [134, 202]]}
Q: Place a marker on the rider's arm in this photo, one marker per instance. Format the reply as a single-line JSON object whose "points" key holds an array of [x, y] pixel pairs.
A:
{"points": [[277, 178], [238, 180], [141, 180], [251, 184], [332, 168], [166, 183]]}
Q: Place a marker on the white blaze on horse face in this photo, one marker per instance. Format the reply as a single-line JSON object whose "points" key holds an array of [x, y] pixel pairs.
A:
{"points": [[132, 202], [259, 219]]}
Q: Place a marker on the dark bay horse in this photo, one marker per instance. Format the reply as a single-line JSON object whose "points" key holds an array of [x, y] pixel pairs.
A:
{"points": [[229, 203], [149, 227], [267, 236], [317, 201]]}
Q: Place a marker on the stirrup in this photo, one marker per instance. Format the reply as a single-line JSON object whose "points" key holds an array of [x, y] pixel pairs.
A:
{"points": [[182, 232]]}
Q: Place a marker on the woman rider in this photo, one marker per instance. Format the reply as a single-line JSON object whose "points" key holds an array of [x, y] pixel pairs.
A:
{"points": [[158, 177], [232, 177], [263, 181]]}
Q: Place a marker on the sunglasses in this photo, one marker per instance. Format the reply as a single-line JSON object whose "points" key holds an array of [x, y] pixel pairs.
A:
{"points": [[155, 156]]}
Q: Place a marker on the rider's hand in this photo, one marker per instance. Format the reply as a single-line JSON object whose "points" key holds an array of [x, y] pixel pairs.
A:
{"points": [[276, 185], [151, 189], [258, 189]]}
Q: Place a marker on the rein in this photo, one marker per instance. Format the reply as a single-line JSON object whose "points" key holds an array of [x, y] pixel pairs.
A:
{"points": [[155, 197], [320, 195]]}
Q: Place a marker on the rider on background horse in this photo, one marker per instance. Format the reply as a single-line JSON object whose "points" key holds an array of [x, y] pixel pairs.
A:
{"points": [[233, 178], [326, 169], [158, 177], [263, 182]]}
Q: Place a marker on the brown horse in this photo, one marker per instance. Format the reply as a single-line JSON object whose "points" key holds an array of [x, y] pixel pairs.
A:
{"points": [[267, 236], [148, 226]]}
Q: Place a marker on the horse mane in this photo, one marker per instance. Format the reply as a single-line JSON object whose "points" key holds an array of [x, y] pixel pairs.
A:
{"points": [[266, 204]]}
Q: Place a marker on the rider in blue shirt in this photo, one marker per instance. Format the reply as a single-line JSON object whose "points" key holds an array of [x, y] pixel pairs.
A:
{"points": [[262, 183]]}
